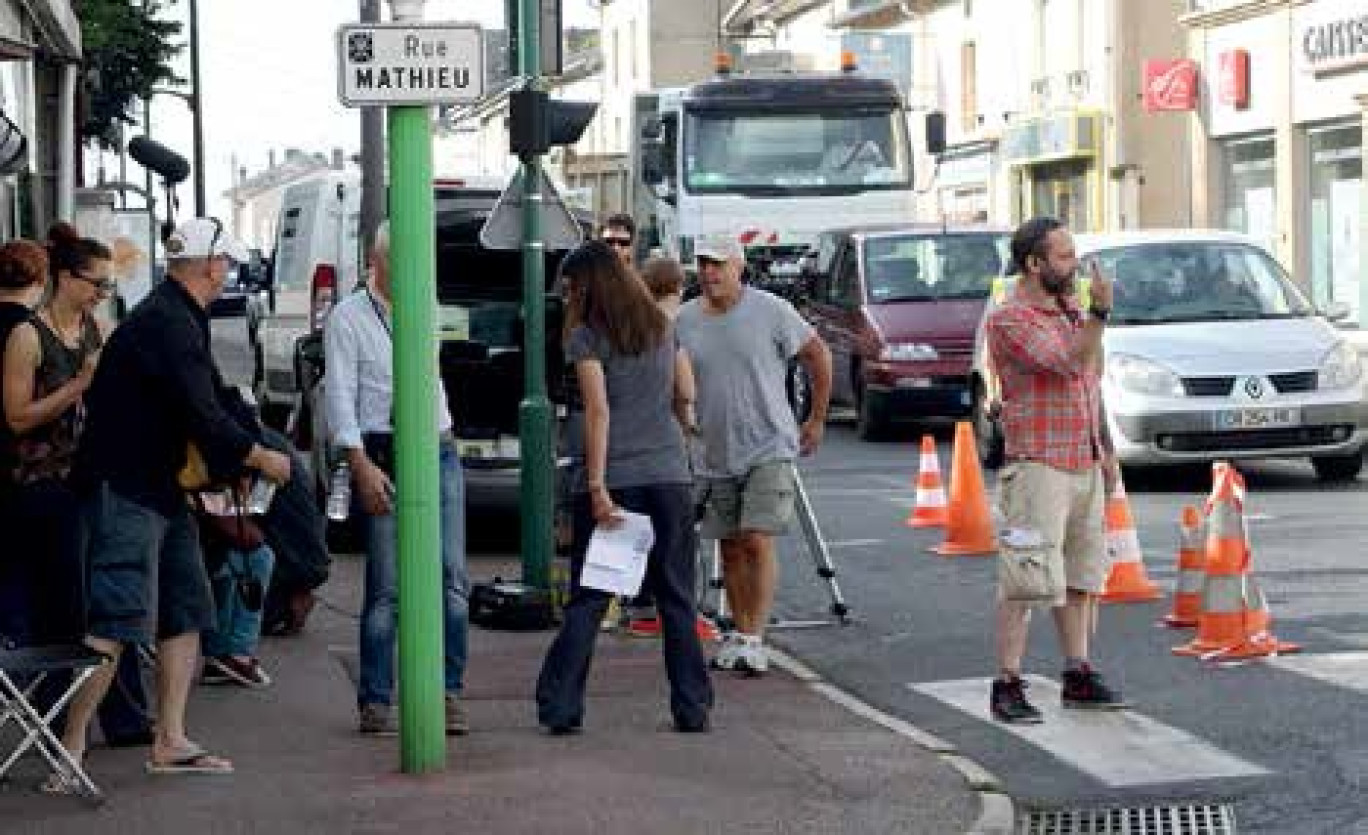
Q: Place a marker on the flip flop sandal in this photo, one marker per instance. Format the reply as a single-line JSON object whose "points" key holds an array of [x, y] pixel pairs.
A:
{"points": [[191, 762]]}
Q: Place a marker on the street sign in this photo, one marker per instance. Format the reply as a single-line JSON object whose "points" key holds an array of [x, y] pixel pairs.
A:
{"points": [[410, 64], [504, 228]]}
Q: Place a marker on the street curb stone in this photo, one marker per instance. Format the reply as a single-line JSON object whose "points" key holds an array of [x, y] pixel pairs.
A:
{"points": [[997, 815]]}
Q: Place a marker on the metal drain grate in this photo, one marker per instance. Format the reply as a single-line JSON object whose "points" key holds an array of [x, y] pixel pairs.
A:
{"points": [[1189, 819]]}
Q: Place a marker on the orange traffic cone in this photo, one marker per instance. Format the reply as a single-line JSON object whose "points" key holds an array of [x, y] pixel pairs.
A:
{"points": [[969, 521], [1187, 593], [930, 511], [1235, 621], [1127, 582]]}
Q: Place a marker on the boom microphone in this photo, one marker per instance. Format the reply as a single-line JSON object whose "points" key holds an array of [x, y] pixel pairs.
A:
{"points": [[159, 159]]}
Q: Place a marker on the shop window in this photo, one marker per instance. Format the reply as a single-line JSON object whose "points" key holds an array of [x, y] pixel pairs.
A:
{"points": [[1336, 194], [1250, 188]]}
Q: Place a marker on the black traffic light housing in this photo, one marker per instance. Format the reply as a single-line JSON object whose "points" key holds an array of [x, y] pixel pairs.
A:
{"points": [[537, 123]]}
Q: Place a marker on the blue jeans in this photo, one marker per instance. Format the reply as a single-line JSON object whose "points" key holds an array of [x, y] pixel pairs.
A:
{"points": [[239, 627], [379, 608]]}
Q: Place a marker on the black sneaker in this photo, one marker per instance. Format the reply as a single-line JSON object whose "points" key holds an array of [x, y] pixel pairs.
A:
{"points": [[1085, 689], [1008, 703]]}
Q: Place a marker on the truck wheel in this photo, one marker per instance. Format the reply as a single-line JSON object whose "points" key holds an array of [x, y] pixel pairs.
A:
{"points": [[1338, 468]]}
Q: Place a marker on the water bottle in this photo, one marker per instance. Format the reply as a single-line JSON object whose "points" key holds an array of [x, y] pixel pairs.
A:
{"points": [[260, 498], [339, 493]]}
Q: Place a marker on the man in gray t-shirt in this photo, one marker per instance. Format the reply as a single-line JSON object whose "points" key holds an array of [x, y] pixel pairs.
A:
{"points": [[741, 341]]}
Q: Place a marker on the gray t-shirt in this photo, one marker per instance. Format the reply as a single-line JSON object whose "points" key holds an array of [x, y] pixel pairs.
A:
{"points": [[645, 442], [741, 360]]}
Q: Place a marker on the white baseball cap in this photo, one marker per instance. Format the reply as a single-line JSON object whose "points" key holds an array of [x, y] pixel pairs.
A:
{"points": [[719, 248], [204, 237]]}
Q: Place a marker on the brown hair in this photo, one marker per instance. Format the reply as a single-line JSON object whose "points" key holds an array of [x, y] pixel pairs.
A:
{"points": [[611, 301], [664, 277], [71, 253], [23, 263], [619, 220]]}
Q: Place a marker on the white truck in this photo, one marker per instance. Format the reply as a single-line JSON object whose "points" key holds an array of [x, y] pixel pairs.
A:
{"points": [[774, 159]]}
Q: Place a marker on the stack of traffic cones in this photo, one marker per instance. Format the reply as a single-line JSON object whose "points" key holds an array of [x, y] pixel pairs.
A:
{"points": [[1127, 582], [930, 510], [969, 521], [1235, 622], [1187, 593]]}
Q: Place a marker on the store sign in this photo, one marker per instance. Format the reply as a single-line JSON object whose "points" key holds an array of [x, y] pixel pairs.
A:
{"points": [[1234, 78], [1335, 45], [1170, 84]]}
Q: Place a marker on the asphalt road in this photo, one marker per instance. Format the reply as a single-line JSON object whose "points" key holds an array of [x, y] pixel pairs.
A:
{"points": [[1285, 744]]}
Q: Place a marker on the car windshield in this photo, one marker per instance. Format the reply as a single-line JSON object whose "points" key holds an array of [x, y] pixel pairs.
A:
{"points": [[1198, 281], [790, 153], [907, 268]]}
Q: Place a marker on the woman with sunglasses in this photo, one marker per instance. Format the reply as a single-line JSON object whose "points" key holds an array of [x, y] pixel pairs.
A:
{"points": [[49, 361], [635, 386]]}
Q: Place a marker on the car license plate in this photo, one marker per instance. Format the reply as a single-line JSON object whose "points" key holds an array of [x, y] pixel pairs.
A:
{"points": [[478, 449], [1257, 418]]}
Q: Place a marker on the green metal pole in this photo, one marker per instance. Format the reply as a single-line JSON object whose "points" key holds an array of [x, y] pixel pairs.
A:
{"points": [[534, 417], [413, 271]]}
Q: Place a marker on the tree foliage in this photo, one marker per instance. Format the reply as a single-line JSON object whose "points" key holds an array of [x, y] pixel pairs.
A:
{"points": [[128, 50]]}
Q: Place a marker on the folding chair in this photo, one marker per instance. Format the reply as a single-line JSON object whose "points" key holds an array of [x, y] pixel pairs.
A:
{"points": [[16, 705]]}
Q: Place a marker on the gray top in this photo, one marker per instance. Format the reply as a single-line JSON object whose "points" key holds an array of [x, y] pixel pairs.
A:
{"points": [[645, 442], [741, 360]]}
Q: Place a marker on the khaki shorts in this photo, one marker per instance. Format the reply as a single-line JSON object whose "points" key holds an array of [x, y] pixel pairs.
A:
{"points": [[1066, 509], [761, 501]]}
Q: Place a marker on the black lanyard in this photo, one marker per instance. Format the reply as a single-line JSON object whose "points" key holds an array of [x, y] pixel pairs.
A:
{"points": [[380, 314]]}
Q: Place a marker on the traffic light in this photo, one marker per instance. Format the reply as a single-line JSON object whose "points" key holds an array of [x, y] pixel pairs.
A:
{"points": [[537, 123]]}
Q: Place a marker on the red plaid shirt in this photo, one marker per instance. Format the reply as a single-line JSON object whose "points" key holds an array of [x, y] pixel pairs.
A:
{"points": [[1051, 403]]}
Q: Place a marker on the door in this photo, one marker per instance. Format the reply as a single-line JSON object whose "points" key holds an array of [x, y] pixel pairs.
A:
{"points": [[843, 320]]}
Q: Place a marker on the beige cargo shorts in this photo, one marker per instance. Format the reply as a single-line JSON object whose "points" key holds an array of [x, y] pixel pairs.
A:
{"points": [[1066, 509], [761, 501]]}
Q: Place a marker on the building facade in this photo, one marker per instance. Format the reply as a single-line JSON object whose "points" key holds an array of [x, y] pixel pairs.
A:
{"points": [[40, 53], [1042, 99], [1278, 141]]}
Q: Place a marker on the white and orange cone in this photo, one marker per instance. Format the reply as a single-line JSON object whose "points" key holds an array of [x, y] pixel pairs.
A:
{"points": [[1127, 582], [930, 509]]}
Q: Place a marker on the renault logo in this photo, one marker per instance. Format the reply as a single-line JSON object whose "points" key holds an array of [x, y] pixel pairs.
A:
{"points": [[1254, 387]]}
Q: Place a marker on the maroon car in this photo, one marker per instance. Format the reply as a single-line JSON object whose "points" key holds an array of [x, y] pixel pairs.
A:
{"points": [[899, 307]]}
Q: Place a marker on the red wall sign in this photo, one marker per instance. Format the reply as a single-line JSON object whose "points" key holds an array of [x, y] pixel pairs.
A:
{"points": [[1170, 84], [1234, 78]]}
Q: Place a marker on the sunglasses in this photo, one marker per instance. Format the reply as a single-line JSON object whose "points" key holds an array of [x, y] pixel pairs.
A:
{"points": [[103, 285], [614, 240]]}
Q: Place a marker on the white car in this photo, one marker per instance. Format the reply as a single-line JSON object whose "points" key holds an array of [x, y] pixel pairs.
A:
{"points": [[1212, 353]]}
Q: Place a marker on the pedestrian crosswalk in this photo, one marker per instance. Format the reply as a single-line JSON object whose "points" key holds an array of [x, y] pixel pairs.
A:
{"points": [[1342, 669], [1117, 748]]}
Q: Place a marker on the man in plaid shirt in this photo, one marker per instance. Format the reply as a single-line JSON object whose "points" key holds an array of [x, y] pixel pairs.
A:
{"points": [[1059, 466]]}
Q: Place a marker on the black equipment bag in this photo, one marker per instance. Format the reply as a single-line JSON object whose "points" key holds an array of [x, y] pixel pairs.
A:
{"points": [[511, 607]]}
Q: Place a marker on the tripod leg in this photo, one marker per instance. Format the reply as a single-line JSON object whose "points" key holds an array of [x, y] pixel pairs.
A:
{"points": [[817, 547]]}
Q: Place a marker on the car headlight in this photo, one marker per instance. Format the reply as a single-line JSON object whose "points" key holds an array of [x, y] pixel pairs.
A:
{"points": [[1341, 368], [909, 352], [1142, 376]]}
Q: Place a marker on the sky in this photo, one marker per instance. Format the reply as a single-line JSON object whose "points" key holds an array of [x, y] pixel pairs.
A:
{"points": [[270, 82]]}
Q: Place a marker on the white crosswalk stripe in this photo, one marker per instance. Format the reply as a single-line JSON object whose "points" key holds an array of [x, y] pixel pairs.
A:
{"points": [[1118, 748], [1343, 669]]}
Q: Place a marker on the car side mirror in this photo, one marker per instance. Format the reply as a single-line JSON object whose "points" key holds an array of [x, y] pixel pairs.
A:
{"points": [[653, 163], [1335, 311]]}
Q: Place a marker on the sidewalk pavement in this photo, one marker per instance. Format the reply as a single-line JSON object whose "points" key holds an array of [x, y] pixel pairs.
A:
{"points": [[782, 757]]}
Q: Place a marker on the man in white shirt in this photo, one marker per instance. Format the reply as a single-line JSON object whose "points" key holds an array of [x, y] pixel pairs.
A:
{"points": [[359, 388]]}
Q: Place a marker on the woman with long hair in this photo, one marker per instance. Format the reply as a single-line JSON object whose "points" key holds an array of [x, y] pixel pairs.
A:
{"points": [[634, 386], [23, 267], [49, 360]]}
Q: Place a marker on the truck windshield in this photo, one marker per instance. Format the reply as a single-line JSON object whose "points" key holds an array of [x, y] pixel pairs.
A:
{"points": [[913, 268], [821, 152]]}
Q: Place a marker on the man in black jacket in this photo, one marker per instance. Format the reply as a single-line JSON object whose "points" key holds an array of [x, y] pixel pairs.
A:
{"points": [[156, 392]]}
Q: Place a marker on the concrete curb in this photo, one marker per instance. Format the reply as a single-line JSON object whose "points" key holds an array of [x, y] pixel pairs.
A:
{"points": [[997, 812]]}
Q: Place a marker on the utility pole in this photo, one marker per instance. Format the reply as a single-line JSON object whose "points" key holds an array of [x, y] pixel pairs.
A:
{"points": [[372, 154], [197, 109], [413, 264], [534, 415]]}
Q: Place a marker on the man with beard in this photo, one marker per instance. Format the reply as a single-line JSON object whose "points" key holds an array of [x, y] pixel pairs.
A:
{"points": [[1059, 461]]}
